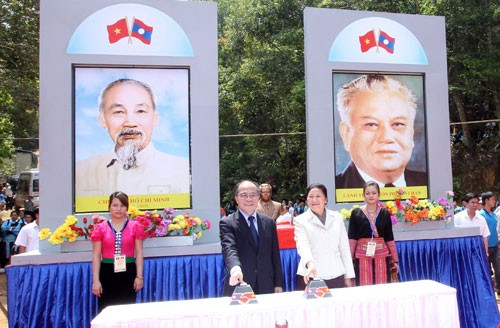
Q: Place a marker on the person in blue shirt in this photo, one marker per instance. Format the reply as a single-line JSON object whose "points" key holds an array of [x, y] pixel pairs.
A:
{"points": [[489, 202]]}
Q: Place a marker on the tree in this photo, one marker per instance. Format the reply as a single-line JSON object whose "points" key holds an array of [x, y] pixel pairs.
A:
{"points": [[6, 131], [262, 92], [19, 69]]}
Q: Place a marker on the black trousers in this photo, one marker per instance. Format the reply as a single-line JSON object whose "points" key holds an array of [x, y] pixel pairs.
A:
{"points": [[117, 287]]}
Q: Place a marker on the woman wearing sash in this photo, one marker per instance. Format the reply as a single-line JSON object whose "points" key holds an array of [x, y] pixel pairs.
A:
{"points": [[371, 240], [322, 243], [117, 260]]}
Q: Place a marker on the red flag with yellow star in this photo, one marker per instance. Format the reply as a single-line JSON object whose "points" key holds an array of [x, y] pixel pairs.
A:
{"points": [[367, 41], [118, 30]]}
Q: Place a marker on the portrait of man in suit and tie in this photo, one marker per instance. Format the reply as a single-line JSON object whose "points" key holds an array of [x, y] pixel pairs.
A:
{"points": [[249, 243], [378, 135]]}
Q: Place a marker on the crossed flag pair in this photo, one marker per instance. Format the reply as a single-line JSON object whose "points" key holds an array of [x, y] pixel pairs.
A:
{"points": [[377, 38], [120, 30]]}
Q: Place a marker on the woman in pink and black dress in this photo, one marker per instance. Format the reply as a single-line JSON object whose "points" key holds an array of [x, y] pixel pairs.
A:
{"points": [[117, 261], [371, 224]]}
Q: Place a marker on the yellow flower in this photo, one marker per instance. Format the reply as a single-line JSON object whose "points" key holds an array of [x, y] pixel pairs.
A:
{"points": [[198, 235], [44, 233], [178, 218], [70, 220], [134, 211], [63, 230], [197, 220], [423, 203], [345, 214], [173, 226], [55, 240]]}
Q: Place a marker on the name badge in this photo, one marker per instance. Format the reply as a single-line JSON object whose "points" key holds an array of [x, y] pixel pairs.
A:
{"points": [[370, 248], [120, 263]]}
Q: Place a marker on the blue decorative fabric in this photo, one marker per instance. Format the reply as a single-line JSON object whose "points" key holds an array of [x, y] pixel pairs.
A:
{"points": [[59, 295], [182, 277], [457, 262], [50, 295], [289, 263]]}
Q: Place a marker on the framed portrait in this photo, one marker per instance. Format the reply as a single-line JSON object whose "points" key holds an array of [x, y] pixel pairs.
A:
{"points": [[379, 134], [131, 133]]}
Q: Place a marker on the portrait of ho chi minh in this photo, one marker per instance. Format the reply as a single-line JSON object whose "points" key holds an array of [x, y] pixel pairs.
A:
{"points": [[127, 110]]}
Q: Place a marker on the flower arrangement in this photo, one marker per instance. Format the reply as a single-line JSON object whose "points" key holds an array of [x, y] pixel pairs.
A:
{"points": [[155, 224], [69, 231], [166, 223], [413, 210]]}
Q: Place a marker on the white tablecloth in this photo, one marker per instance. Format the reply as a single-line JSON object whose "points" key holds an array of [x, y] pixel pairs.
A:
{"points": [[413, 304]]}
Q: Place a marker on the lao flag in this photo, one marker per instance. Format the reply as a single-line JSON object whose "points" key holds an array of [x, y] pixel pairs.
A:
{"points": [[386, 41], [142, 31], [118, 30], [367, 41]]}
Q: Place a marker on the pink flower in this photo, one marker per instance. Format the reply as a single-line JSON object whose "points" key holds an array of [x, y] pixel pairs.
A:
{"points": [[207, 224], [443, 201], [161, 231]]}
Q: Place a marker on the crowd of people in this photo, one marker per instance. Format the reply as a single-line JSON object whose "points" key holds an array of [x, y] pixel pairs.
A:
{"points": [[18, 227]]}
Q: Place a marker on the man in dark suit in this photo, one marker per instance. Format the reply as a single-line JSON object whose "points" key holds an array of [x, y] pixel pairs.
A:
{"points": [[351, 177], [250, 245], [377, 118]]}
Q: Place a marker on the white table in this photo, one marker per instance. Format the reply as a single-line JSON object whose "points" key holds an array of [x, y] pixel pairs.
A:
{"points": [[413, 304]]}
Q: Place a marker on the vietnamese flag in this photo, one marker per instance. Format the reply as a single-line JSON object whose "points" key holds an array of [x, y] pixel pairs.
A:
{"points": [[367, 41], [142, 31], [386, 41], [118, 30]]}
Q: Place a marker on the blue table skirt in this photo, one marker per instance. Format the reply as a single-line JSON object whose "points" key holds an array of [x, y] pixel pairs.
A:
{"points": [[59, 295]]}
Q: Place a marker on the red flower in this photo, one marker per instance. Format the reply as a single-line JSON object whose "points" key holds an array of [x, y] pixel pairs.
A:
{"points": [[85, 220]]}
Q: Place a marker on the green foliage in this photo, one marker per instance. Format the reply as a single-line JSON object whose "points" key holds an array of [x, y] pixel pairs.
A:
{"points": [[476, 168], [6, 131], [261, 87], [19, 68]]}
